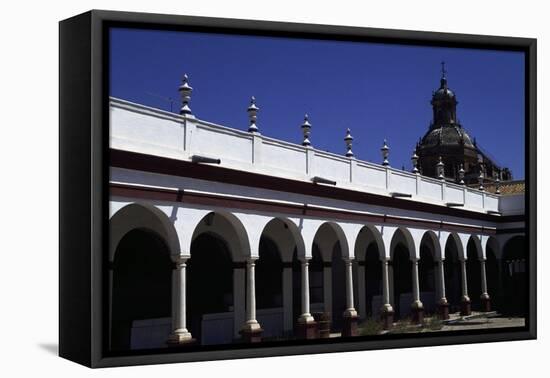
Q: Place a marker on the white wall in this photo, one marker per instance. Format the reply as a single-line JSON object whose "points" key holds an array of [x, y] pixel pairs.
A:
{"points": [[512, 204], [138, 128], [29, 34], [150, 179]]}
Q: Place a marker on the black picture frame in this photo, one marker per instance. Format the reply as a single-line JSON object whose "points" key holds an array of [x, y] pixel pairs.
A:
{"points": [[83, 165]]}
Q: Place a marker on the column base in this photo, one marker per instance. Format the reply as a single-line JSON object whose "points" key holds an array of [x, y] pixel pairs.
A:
{"points": [[251, 332], [324, 325], [443, 310], [485, 302], [349, 326], [417, 310], [465, 306], [307, 328], [387, 316], [182, 338]]}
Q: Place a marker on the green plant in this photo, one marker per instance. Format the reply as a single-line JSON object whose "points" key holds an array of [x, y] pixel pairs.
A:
{"points": [[370, 326], [432, 324]]}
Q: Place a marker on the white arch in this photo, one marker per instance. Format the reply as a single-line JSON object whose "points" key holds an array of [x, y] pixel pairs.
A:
{"points": [[368, 234], [479, 242], [326, 240], [431, 237], [454, 237], [505, 246], [280, 237], [402, 234], [228, 228], [503, 239], [139, 215]]}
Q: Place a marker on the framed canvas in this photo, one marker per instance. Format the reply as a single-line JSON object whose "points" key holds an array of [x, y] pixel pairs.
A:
{"points": [[235, 188]]}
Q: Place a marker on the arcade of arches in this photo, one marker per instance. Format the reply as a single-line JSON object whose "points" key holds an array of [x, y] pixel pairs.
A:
{"points": [[217, 293]]}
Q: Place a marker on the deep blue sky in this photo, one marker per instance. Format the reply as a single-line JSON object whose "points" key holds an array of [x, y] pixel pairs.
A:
{"points": [[377, 90]]}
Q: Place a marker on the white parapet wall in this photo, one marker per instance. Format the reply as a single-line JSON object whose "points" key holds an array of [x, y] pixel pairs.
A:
{"points": [[512, 204], [142, 129]]}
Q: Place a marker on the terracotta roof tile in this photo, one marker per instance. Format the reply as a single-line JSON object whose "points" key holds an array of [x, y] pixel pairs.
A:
{"points": [[507, 187]]}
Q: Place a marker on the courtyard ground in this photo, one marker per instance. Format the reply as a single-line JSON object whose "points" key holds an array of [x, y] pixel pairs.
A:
{"points": [[478, 320]]}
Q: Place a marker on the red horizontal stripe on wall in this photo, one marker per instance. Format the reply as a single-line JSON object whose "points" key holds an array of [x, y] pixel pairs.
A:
{"points": [[167, 166]]}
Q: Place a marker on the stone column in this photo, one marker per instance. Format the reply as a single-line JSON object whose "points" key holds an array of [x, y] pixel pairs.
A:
{"points": [[417, 306], [287, 298], [485, 298], [251, 331], [442, 304], [306, 323], [465, 305], [180, 334], [387, 309], [350, 315]]}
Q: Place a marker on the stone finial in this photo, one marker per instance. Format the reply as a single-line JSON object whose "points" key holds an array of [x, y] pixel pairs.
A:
{"points": [[480, 180], [306, 130], [440, 167], [385, 153], [497, 185], [414, 161], [349, 142], [185, 89], [461, 174], [253, 115]]}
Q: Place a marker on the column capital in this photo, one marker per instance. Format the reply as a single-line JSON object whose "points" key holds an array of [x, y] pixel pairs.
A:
{"points": [[348, 259], [251, 259], [180, 260]]}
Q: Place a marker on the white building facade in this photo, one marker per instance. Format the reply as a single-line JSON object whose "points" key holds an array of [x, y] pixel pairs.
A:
{"points": [[219, 235]]}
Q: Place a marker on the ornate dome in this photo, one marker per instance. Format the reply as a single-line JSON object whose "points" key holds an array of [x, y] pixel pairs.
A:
{"points": [[446, 135], [443, 92]]}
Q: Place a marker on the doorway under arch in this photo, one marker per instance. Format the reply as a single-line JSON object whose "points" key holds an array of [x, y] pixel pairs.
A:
{"points": [[373, 280], [269, 275], [427, 277], [473, 267], [141, 292], [338, 279], [493, 278], [453, 287], [402, 280], [514, 272], [210, 287]]}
